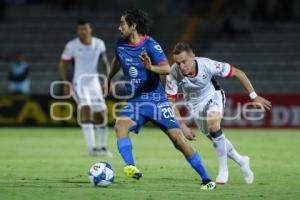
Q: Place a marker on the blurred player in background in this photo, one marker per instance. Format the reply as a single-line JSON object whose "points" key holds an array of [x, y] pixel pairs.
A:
{"points": [[85, 51], [18, 76], [142, 61], [206, 100]]}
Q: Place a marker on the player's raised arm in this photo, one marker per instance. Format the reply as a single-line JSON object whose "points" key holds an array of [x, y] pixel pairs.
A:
{"points": [[187, 132], [115, 67], [242, 77], [162, 69], [171, 90]]}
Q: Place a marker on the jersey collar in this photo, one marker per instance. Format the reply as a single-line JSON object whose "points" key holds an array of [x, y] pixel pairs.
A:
{"points": [[137, 43], [84, 44]]}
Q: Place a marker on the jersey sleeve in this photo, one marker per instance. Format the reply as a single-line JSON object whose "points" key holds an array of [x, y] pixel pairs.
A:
{"points": [[156, 53], [102, 46], [219, 68], [68, 53], [171, 85]]}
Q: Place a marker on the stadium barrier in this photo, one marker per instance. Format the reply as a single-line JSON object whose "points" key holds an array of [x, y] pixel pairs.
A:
{"points": [[20, 110]]}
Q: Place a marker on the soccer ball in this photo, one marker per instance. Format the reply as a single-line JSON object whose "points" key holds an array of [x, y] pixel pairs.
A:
{"points": [[101, 174]]}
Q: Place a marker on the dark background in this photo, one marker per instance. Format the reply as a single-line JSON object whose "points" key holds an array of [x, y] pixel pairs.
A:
{"points": [[262, 37]]}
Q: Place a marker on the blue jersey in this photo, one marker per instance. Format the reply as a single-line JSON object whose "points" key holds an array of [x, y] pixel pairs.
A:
{"points": [[141, 85]]}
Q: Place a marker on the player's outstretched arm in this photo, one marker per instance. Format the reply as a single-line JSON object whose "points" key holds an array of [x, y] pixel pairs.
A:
{"points": [[162, 69], [115, 67], [187, 132], [239, 74]]}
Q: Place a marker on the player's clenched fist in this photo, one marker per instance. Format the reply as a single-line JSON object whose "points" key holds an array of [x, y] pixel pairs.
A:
{"points": [[146, 60], [188, 133]]}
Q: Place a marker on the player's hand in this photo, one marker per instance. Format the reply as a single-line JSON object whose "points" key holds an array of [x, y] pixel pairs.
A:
{"points": [[67, 89], [106, 88], [188, 133], [146, 60], [262, 103]]}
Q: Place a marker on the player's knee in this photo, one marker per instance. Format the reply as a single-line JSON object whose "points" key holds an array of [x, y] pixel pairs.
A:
{"points": [[213, 122], [213, 128], [121, 127], [85, 113], [118, 126], [98, 118]]}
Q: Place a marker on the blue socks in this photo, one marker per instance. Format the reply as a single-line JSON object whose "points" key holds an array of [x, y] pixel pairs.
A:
{"points": [[125, 149], [196, 163]]}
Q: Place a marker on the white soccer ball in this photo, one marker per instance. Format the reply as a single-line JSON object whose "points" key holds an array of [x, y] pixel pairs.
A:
{"points": [[101, 174]]}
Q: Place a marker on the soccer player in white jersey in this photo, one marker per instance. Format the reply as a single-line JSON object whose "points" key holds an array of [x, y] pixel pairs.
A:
{"points": [[85, 51], [205, 101]]}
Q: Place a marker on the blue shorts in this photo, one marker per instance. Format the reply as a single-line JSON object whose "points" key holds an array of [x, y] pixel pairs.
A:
{"points": [[159, 113]]}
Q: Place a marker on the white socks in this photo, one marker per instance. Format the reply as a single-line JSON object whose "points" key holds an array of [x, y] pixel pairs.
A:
{"points": [[225, 148], [233, 154], [102, 136], [89, 135], [220, 146]]}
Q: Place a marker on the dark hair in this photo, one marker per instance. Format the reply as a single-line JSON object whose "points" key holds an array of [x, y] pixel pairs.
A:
{"points": [[81, 22], [180, 47], [140, 18]]}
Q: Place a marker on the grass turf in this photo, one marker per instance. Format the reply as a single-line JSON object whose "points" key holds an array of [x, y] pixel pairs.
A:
{"points": [[45, 163]]}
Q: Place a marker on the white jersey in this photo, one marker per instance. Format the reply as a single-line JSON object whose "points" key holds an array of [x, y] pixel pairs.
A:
{"points": [[86, 86], [86, 57], [199, 89]]}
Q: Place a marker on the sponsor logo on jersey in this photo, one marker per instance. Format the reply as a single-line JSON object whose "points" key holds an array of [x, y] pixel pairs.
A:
{"points": [[133, 72], [217, 65], [158, 48]]}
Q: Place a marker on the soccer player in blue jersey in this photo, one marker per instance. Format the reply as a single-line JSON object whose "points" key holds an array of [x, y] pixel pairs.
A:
{"points": [[142, 61]]}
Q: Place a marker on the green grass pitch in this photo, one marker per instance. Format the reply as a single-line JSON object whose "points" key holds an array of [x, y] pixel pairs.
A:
{"points": [[46, 163]]}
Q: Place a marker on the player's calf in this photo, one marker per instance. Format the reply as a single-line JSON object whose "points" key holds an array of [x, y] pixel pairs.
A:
{"points": [[179, 142]]}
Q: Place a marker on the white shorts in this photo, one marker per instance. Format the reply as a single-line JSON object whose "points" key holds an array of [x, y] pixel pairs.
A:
{"points": [[89, 93], [214, 104]]}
